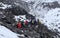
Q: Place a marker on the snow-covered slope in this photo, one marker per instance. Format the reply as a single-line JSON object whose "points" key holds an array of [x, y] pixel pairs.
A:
{"points": [[48, 11], [6, 33], [52, 19]]}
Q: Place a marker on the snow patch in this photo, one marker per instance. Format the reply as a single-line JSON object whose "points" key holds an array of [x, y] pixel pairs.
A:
{"points": [[4, 6], [52, 19], [21, 17], [6, 33]]}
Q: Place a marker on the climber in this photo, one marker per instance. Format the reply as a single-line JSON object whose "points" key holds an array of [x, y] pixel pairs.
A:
{"points": [[26, 23], [19, 25], [33, 22], [38, 22]]}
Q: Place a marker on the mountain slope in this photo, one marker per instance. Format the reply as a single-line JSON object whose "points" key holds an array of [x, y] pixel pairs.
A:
{"points": [[47, 11]]}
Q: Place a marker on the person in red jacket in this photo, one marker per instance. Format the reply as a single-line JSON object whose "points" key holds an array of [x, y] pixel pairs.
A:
{"points": [[19, 25]]}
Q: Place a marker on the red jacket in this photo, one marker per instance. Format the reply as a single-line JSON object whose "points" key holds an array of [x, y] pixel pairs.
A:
{"points": [[19, 25]]}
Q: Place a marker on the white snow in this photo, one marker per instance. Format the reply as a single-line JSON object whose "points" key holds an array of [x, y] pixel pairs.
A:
{"points": [[22, 17], [6, 33], [52, 19], [4, 6]]}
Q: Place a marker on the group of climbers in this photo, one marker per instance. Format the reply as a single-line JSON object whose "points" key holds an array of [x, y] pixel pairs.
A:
{"points": [[26, 23], [21, 24]]}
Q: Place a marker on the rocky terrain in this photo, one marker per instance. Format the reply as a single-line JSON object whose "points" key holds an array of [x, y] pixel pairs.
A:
{"points": [[21, 8]]}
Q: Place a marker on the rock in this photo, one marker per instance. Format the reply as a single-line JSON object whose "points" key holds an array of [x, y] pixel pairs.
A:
{"points": [[18, 11], [19, 3], [29, 16], [50, 5]]}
